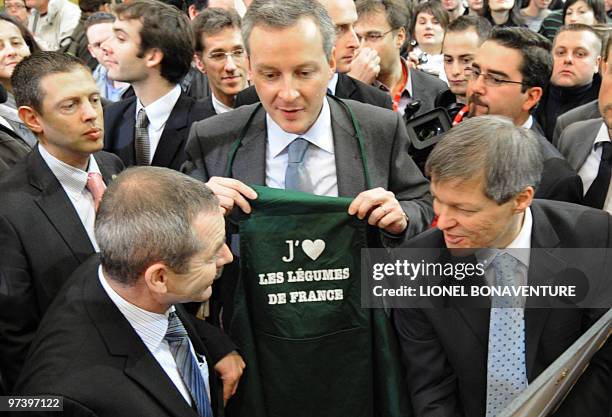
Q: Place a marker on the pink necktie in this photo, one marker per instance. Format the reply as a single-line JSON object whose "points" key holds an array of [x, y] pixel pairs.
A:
{"points": [[96, 187]]}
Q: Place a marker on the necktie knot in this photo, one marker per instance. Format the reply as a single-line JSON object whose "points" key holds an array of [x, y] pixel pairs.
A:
{"points": [[95, 185], [297, 150], [141, 119], [176, 331]]}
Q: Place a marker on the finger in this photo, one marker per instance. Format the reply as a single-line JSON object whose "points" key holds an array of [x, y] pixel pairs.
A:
{"points": [[235, 184], [377, 215]]}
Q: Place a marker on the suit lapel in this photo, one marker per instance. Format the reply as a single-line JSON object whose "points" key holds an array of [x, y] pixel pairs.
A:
{"points": [[172, 139], [125, 136], [57, 207], [345, 86], [122, 340], [349, 171], [108, 172], [250, 162], [582, 148], [544, 263]]}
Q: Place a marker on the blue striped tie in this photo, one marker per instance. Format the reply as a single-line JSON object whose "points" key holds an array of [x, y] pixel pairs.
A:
{"points": [[177, 339]]}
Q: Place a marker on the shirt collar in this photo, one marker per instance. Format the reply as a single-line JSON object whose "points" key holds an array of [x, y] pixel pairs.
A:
{"points": [[602, 135], [319, 134], [151, 327], [218, 106], [159, 111], [333, 83], [528, 123], [71, 178]]}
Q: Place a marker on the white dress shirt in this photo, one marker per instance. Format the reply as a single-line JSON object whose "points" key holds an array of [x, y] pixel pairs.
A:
{"points": [[333, 83], [151, 328], [74, 183], [158, 113], [319, 160], [588, 171], [218, 106], [528, 123]]}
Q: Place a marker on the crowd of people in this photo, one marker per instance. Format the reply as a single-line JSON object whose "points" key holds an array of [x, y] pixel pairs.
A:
{"points": [[134, 137]]}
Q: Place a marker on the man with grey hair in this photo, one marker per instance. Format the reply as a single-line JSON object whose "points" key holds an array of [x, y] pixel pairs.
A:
{"points": [[290, 45], [118, 331], [484, 175]]}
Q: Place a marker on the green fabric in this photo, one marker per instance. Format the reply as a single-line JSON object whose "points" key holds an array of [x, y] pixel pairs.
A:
{"points": [[304, 357]]}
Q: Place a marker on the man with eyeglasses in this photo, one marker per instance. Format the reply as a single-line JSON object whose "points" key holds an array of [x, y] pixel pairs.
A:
{"points": [[220, 54], [507, 77], [381, 26], [150, 128]]}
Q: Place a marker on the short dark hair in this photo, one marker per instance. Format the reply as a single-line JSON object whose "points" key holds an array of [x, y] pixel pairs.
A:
{"points": [[598, 7], [25, 33], [29, 73], [434, 8], [580, 27], [136, 228], [97, 18], [396, 11], [199, 4], [536, 66], [481, 26], [91, 6], [166, 28], [212, 21]]}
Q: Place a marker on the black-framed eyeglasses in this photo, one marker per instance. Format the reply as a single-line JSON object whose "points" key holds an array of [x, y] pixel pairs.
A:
{"points": [[220, 56], [490, 80], [374, 36]]}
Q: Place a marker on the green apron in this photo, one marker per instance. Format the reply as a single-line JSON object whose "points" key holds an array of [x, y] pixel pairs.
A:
{"points": [[310, 349]]}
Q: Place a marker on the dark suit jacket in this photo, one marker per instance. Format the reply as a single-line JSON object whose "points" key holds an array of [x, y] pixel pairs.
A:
{"points": [[207, 108], [426, 87], [12, 149], [559, 180], [42, 240], [119, 122], [445, 349], [584, 112], [347, 87], [87, 352]]}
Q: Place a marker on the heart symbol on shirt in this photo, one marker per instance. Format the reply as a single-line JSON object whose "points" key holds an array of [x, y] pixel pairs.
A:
{"points": [[313, 249]]}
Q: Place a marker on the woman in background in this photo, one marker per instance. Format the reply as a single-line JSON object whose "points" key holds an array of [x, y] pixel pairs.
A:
{"points": [[427, 33], [503, 12], [16, 43]]}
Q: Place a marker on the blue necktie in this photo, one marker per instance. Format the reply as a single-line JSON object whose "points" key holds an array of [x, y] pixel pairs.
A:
{"points": [[188, 368], [296, 176], [506, 371]]}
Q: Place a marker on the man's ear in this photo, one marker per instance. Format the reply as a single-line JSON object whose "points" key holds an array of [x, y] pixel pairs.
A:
{"points": [[332, 63], [153, 57], [30, 118], [523, 199], [534, 94], [199, 63], [192, 12], [400, 38], [156, 278]]}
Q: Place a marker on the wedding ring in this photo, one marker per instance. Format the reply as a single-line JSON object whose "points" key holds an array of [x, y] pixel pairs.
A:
{"points": [[383, 209]]}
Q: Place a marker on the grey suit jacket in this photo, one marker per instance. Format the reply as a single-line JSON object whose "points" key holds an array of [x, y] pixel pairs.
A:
{"points": [[584, 112], [576, 141], [386, 148]]}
